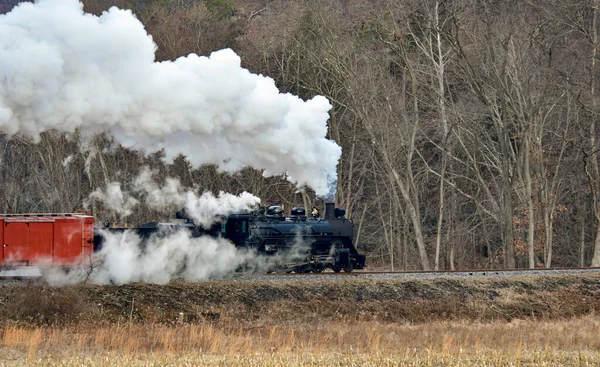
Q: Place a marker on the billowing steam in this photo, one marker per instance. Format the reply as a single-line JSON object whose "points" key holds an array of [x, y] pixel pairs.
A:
{"points": [[163, 258], [63, 69], [115, 200], [203, 209], [172, 252]]}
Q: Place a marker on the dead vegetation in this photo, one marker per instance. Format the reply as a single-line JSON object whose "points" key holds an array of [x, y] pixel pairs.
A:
{"points": [[502, 322], [298, 302], [331, 343]]}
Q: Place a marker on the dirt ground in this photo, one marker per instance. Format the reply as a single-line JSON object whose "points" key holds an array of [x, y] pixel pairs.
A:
{"points": [[297, 302]]}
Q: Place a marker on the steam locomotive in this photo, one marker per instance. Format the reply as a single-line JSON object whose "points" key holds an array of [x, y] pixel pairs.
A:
{"points": [[298, 243]]}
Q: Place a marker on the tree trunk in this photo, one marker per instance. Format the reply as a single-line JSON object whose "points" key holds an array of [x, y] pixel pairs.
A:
{"points": [[548, 226], [385, 227], [596, 257], [531, 209], [439, 63], [405, 244], [582, 239], [594, 157], [438, 238], [509, 241], [594, 177], [361, 221], [413, 212]]}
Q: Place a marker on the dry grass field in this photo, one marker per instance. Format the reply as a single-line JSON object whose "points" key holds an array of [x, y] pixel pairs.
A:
{"points": [[566, 342], [521, 322]]}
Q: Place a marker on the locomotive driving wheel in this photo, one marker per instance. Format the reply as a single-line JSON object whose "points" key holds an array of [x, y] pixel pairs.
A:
{"points": [[303, 269], [349, 268]]}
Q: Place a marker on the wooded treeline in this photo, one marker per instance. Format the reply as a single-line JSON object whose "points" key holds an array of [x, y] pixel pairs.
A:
{"points": [[469, 128]]}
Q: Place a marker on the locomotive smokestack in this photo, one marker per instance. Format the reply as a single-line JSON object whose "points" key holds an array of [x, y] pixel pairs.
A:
{"points": [[329, 210]]}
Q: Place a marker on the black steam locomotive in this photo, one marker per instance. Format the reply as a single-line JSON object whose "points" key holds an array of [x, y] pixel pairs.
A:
{"points": [[298, 243]]}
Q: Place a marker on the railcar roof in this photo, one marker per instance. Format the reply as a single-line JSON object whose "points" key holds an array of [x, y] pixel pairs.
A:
{"points": [[41, 217]]}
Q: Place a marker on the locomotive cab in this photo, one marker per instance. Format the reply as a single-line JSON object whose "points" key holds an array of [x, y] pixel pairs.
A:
{"points": [[236, 229]]}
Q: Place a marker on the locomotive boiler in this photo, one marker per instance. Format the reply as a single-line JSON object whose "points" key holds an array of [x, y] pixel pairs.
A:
{"points": [[300, 243]]}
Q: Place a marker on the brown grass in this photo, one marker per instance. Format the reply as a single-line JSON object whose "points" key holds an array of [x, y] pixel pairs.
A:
{"points": [[441, 322], [370, 343], [300, 302]]}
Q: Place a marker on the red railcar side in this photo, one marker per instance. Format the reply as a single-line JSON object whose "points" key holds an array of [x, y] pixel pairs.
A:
{"points": [[44, 239], [2, 242]]}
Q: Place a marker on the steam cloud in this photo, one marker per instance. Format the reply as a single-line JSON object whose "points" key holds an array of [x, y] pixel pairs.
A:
{"points": [[63, 69], [176, 255], [202, 209], [172, 252], [114, 198]]}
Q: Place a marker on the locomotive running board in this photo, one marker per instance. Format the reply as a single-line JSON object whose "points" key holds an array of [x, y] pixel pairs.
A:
{"points": [[20, 272]]}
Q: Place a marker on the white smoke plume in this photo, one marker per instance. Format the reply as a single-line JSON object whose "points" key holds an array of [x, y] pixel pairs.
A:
{"points": [[172, 252], [203, 209], [63, 69], [67, 161], [114, 199], [174, 255]]}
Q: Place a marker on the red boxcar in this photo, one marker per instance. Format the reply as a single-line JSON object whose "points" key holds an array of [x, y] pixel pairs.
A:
{"points": [[41, 239]]}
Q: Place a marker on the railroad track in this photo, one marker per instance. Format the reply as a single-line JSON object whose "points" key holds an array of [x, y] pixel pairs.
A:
{"points": [[471, 272], [408, 275], [419, 274]]}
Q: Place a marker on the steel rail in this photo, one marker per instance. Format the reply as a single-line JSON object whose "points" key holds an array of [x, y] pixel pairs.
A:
{"points": [[411, 272]]}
